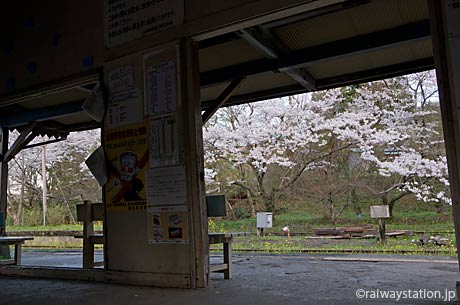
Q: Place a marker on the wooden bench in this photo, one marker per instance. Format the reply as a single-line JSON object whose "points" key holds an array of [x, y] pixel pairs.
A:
{"points": [[217, 207], [17, 242], [226, 239], [88, 213]]}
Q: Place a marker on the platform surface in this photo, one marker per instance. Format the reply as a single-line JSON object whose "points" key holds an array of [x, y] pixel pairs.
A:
{"points": [[258, 279]]}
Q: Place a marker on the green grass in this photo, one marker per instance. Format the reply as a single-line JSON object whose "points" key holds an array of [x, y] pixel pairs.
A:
{"points": [[277, 244], [306, 216], [302, 223], [72, 227]]}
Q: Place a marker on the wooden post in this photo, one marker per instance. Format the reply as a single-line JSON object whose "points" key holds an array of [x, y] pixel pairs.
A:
{"points": [[228, 258], [17, 253], [446, 41], [4, 250], [260, 232], [190, 111], [3, 178], [382, 231], [380, 212], [88, 230]]}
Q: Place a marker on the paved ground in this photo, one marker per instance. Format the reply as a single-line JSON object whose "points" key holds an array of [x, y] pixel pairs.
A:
{"points": [[258, 279]]}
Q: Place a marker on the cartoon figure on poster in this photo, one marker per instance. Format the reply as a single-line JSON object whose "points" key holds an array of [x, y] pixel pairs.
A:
{"points": [[127, 185], [127, 150], [129, 167]]}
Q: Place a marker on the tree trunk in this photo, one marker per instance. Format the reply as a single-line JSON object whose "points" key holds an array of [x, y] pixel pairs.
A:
{"points": [[268, 204], [439, 207], [251, 203], [232, 212], [393, 201], [355, 202], [332, 213], [10, 209], [389, 203]]}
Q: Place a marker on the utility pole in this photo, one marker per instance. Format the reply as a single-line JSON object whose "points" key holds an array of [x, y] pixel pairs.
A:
{"points": [[44, 192]]}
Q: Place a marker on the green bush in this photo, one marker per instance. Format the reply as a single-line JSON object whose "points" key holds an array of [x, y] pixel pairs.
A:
{"points": [[241, 213]]}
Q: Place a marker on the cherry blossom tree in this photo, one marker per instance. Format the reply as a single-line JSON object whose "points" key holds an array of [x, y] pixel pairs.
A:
{"points": [[286, 135], [409, 151], [391, 124], [66, 173]]}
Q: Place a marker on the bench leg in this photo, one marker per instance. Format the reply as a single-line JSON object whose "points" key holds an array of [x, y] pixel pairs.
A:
{"points": [[17, 253], [88, 230], [88, 254], [5, 251], [228, 259]]}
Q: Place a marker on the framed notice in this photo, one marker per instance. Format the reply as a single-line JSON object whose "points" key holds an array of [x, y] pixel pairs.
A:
{"points": [[121, 79], [127, 20], [164, 143], [124, 108], [168, 225], [160, 88], [166, 186]]}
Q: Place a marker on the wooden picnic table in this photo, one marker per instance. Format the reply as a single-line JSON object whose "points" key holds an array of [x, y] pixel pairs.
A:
{"points": [[226, 239], [17, 241]]}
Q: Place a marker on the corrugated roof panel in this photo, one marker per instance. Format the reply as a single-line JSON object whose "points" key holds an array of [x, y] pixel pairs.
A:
{"points": [[375, 16], [264, 82], [227, 54], [379, 58], [422, 49], [250, 85], [389, 13]]}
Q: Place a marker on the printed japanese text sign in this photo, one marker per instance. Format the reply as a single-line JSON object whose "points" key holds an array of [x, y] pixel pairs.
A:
{"points": [[127, 155]]}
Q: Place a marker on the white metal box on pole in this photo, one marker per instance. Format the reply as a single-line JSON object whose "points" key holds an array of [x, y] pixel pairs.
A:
{"points": [[264, 220]]}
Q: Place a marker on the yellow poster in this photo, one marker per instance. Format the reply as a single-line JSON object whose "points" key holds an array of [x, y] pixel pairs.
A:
{"points": [[127, 153]]}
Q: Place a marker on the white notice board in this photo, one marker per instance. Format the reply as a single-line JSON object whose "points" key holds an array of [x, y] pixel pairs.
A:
{"points": [[160, 88], [127, 20], [166, 186], [164, 142]]}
